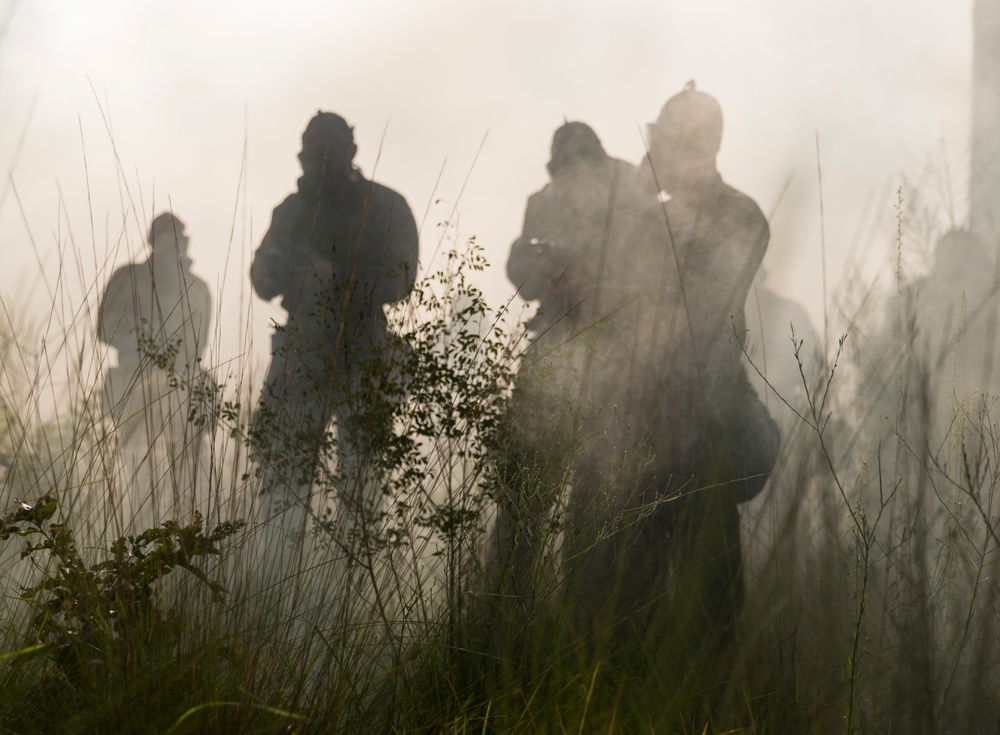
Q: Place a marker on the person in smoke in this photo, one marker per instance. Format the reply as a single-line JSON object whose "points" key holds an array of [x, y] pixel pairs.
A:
{"points": [[699, 439], [953, 312], [773, 319], [156, 314], [558, 257], [337, 250], [558, 260]]}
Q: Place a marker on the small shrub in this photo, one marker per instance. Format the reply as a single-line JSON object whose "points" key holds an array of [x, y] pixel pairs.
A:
{"points": [[95, 620]]}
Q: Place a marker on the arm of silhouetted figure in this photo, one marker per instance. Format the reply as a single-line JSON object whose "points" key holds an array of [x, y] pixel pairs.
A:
{"points": [[201, 314], [382, 266], [273, 263], [115, 317], [401, 250], [529, 267], [718, 287]]}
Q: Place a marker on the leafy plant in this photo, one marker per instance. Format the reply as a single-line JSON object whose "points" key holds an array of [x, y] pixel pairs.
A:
{"points": [[105, 614]]}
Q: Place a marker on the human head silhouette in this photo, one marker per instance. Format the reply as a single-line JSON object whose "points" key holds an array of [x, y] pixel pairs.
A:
{"points": [[327, 146], [167, 233], [574, 143], [685, 139]]}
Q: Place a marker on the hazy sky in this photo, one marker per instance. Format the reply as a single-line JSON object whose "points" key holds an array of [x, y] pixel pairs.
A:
{"points": [[205, 104]]}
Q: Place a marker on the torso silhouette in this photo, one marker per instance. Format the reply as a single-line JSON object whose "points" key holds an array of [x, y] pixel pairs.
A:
{"points": [[151, 309], [337, 256]]}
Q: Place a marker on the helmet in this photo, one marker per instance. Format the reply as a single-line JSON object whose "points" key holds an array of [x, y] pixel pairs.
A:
{"points": [[693, 118], [575, 142], [328, 129]]}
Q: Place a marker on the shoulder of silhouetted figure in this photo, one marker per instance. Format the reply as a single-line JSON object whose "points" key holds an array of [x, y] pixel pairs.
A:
{"points": [[388, 205], [735, 211]]}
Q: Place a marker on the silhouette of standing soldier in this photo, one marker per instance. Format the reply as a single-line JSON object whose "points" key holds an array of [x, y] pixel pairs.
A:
{"points": [[156, 314], [566, 233], [337, 251], [717, 237], [558, 260], [700, 440], [953, 313]]}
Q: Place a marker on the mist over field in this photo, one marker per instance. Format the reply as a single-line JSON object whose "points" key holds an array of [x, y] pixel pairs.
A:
{"points": [[117, 110], [517, 458]]}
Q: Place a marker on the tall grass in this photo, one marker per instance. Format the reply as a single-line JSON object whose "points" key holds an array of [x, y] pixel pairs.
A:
{"points": [[871, 559]]}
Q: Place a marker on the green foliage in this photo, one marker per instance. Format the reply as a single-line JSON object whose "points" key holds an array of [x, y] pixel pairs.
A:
{"points": [[157, 353], [105, 615], [205, 402], [423, 415]]}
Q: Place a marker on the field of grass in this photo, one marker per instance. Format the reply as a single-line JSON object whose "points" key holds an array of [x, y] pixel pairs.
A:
{"points": [[149, 592]]}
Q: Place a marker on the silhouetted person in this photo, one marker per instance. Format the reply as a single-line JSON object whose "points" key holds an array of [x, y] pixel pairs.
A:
{"points": [[718, 237], [698, 440], [558, 260], [337, 250], [156, 314], [567, 229], [771, 319], [952, 315]]}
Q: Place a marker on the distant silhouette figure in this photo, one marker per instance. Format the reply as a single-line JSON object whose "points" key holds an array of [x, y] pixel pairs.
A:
{"points": [[157, 314], [771, 319], [953, 314], [697, 438], [337, 250]]}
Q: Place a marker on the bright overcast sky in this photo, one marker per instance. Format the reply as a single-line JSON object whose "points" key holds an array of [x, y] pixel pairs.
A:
{"points": [[184, 87]]}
